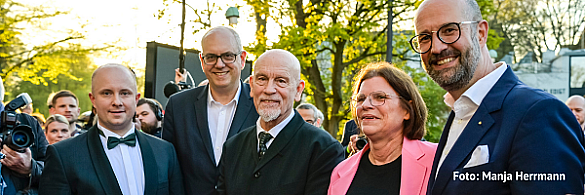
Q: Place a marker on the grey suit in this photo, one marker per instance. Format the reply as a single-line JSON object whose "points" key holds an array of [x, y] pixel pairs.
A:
{"points": [[186, 127], [80, 166]]}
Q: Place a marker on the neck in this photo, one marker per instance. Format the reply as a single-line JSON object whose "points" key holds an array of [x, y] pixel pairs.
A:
{"points": [[224, 95], [72, 127], [384, 152], [485, 67]]}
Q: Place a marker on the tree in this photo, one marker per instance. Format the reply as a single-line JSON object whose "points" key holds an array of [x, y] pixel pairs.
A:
{"points": [[45, 67], [537, 26]]}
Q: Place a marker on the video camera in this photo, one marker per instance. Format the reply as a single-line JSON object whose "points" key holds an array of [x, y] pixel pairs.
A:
{"points": [[15, 135]]}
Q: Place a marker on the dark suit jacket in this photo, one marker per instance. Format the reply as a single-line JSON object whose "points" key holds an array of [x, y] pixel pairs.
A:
{"points": [[299, 161], [185, 126], [526, 130], [79, 165]]}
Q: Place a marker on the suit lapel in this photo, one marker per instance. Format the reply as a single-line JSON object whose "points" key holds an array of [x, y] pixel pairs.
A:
{"points": [[243, 109], [281, 140], [201, 114], [477, 127], [101, 164], [149, 165]]}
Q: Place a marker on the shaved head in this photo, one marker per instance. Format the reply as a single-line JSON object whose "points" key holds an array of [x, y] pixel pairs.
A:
{"points": [[284, 58]]}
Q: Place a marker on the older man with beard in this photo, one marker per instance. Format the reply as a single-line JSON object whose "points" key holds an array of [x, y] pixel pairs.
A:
{"points": [[502, 136], [281, 154]]}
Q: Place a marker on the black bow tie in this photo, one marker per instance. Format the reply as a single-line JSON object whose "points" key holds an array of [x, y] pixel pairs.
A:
{"points": [[129, 140]]}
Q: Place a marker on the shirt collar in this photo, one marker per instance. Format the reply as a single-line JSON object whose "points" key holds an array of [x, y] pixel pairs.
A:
{"points": [[235, 99], [477, 92], [108, 133], [276, 129]]}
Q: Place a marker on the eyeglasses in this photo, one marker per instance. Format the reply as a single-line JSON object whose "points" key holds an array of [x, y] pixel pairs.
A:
{"points": [[448, 34], [310, 121], [226, 58], [377, 98]]}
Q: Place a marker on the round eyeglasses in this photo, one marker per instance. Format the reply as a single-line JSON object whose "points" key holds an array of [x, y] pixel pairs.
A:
{"points": [[377, 98], [226, 58], [448, 34]]}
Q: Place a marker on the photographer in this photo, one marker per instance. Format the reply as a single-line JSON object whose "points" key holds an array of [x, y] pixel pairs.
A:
{"points": [[21, 170]]}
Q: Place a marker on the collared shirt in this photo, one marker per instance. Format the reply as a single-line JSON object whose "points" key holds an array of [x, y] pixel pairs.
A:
{"points": [[465, 107], [219, 120], [126, 161], [274, 131]]}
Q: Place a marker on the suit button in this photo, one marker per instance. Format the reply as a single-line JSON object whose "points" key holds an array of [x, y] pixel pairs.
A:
{"points": [[257, 174]]}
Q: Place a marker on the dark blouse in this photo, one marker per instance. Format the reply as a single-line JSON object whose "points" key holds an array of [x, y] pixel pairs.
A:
{"points": [[373, 179]]}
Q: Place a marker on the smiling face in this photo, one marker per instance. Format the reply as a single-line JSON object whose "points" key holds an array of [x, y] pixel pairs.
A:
{"points": [[276, 85], [382, 121], [222, 75], [114, 97], [452, 66]]}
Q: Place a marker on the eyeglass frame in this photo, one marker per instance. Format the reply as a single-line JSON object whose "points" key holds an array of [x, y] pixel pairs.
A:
{"points": [[220, 57], [438, 36], [388, 96]]}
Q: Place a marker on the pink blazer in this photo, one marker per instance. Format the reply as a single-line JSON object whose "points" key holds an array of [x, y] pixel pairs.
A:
{"points": [[417, 162]]}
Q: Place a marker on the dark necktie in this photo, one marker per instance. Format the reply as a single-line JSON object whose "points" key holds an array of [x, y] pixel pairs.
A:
{"points": [[263, 139], [129, 140]]}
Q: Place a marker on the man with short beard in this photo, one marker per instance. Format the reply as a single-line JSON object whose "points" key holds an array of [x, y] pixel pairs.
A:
{"points": [[498, 124], [281, 154], [149, 113]]}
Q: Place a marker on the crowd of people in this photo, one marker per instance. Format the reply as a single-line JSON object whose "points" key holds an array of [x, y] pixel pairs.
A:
{"points": [[228, 136]]}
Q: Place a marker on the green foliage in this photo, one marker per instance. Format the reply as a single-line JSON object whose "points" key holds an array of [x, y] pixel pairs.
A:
{"points": [[79, 68], [45, 67]]}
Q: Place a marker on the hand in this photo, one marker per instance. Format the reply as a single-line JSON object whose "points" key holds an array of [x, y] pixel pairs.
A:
{"points": [[138, 124], [352, 140], [180, 77], [20, 163]]}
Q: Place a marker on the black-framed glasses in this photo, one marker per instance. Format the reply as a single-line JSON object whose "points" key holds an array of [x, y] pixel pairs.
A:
{"points": [[226, 58], [377, 98], [448, 34]]}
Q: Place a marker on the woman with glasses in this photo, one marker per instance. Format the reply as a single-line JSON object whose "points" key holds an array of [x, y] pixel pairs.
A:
{"points": [[390, 112]]}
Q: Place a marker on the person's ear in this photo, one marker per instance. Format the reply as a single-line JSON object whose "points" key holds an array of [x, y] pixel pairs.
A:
{"points": [[482, 32]]}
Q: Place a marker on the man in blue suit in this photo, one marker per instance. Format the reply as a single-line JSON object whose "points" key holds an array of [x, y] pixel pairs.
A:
{"points": [[502, 136], [198, 121]]}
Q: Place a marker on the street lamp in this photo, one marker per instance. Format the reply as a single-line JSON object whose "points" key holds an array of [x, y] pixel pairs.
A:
{"points": [[232, 15]]}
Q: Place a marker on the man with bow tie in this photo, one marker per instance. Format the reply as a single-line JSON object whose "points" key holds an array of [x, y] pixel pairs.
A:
{"points": [[112, 157]]}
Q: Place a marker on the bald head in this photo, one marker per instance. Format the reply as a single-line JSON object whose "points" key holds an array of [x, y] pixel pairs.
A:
{"points": [[469, 12], [577, 105], [281, 58], [223, 32], [114, 96], [275, 85]]}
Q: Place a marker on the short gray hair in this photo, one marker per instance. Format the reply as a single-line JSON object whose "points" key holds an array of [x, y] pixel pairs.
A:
{"points": [[317, 114], [231, 30], [472, 11]]}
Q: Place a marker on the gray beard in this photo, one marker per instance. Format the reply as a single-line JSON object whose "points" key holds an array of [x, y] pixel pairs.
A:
{"points": [[268, 114], [463, 73]]}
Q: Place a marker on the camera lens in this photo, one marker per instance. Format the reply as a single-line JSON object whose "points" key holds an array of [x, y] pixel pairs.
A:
{"points": [[19, 139], [361, 143]]}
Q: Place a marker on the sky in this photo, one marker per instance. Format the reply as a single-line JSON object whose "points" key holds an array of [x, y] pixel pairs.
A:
{"points": [[131, 24]]}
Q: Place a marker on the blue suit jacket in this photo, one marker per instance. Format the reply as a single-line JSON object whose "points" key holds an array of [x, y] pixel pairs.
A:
{"points": [[527, 131], [185, 126]]}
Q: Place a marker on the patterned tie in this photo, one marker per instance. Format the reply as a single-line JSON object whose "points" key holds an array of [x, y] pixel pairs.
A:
{"points": [[129, 140], [264, 138]]}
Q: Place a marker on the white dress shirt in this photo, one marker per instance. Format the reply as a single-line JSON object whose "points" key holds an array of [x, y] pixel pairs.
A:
{"points": [[126, 161], [274, 131], [219, 121], [465, 107]]}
